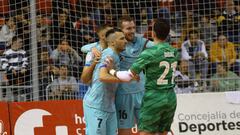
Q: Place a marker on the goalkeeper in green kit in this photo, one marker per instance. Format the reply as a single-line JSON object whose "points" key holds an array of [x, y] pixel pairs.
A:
{"points": [[159, 63]]}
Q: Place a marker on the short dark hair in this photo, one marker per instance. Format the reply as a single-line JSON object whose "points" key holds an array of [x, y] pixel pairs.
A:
{"points": [[221, 34], [125, 18], [192, 32], [15, 38], [161, 28], [59, 65], [102, 27], [111, 31]]}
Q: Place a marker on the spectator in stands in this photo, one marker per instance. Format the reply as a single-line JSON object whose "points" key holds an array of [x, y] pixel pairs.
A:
{"points": [[7, 32], [194, 51], [208, 30], [63, 28], [18, 6], [183, 8], [143, 26], [228, 21], [23, 29], [229, 12], [15, 63], [42, 26], [60, 6], [65, 85], [84, 6], [22, 24], [43, 42], [225, 80], [148, 33], [65, 54], [237, 8], [207, 6], [47, 71], [223, 50], [188, 25], [236, 27], [183, 82], [104, 12], [86, 29]]}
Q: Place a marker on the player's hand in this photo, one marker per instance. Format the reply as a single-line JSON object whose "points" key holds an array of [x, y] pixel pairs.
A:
{"points": [[96, 52], [23, 71], [109, 62], [14, 72], [96, 59], [68, 88], [70, 49], [199, 55], [55, 70]]}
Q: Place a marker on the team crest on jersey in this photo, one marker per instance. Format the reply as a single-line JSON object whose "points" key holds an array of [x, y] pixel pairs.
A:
{"points": [[168, 54], [89, 57]]}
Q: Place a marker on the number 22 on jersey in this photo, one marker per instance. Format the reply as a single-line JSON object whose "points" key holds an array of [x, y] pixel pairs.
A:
{"points": [[161, 80]]}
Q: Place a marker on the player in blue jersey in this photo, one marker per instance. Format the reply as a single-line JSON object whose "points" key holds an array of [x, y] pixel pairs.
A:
{"points": [[159, 101], [129, 95], [91, 60], [99, 101]]}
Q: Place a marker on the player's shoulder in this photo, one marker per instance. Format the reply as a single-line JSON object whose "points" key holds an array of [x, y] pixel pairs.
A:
{"points": [[168, 47], [139, 39], [94, 44], [172, 52], [149, 52], [109, 52], [167, 51]]}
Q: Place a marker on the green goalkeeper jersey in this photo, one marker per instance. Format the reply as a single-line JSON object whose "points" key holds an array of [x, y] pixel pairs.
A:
{"points": [[159, 63]]}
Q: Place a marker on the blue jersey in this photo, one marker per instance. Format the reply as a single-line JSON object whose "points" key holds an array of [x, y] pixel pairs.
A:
{"points": [[102, 95], [87, 48], [133, 50], [90, 55]]}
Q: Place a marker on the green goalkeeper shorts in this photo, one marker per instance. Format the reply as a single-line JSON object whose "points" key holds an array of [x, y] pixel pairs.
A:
{"points": [[157, 111]]}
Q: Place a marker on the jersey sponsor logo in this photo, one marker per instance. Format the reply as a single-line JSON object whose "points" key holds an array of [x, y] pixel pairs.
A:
{"points": [[89, 57], [168, 54]]}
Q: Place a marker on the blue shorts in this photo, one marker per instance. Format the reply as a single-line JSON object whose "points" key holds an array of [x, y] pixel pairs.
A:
{"points": [[128, 109], [99, 122]]}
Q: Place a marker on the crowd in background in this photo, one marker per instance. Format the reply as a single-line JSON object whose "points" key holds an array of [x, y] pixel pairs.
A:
{"points": [[206, 32]]}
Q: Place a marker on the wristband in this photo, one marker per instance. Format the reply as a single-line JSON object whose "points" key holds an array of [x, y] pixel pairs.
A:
{"points": [[103, 66], [124, 76]]}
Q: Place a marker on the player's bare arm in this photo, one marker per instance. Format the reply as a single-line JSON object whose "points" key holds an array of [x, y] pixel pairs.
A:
{"points": [[86, 76]]}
